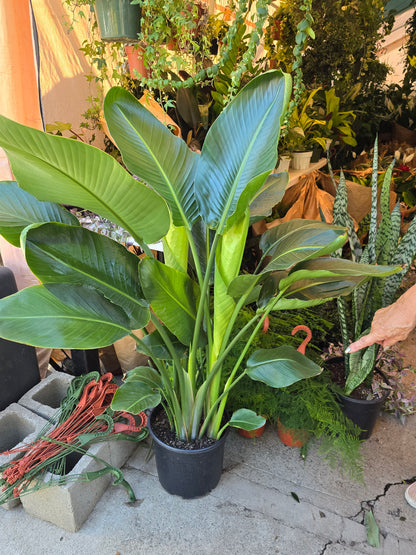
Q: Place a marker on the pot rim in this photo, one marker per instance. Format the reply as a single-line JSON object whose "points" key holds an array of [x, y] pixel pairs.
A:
{"points": [[362, 401], [211, 447]]}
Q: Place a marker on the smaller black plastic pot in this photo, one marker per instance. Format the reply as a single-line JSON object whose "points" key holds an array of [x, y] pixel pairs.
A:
{"points": [[362, 412], [190, 473]]}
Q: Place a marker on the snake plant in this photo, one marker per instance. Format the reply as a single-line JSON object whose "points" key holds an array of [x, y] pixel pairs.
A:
{"points": [[94, 291], [385, 246]]}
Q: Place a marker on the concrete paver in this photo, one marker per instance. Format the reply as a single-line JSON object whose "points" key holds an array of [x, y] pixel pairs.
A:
{"points": [[252, 511]]}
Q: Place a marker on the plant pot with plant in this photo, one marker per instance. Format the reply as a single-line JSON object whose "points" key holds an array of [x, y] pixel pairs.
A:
{"points": [[94, 291], [303, 132], [357, 371]]}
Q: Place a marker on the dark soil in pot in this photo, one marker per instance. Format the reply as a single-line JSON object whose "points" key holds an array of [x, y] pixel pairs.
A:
{"points": [[336, 367], [161, 428]]}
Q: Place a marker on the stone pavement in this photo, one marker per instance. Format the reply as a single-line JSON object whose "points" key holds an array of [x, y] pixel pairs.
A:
{"points": [[252, 511]]}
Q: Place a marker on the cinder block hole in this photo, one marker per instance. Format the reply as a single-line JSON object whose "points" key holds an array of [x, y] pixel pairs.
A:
{"points": [[13, 430], [70, 461], [52, 394]]}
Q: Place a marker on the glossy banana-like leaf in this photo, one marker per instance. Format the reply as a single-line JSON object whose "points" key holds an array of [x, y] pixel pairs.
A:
{"points": [[175, 248], [291, 242], [58, 169], [280, 367], [62, 316], [146, 375], [244, 283], [328, 277], [135, 396], [268, 196], [327, 266], [240, 149], [173, 297], [268, 295], [19, 209], [153, 153], [246, 420], [155, 346], [229, 252], [62, 253]]}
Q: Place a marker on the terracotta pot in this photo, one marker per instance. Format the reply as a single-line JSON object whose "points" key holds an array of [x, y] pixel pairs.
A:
{"points": [[135, 59], [252, 433], [292, 437]]}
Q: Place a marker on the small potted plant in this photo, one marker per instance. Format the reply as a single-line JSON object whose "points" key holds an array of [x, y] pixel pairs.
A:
{"points": [[385, 246], [94, 291], [303, 133]]}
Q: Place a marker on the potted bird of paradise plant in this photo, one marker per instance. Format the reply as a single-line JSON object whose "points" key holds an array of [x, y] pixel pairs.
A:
{"points": [[94, 291]]}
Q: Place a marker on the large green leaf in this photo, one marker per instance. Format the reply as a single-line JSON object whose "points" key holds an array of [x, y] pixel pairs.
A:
{"points": [[80, 318], [328, 277], [172, 295], [246, 419], [240, 149], [146, 375], [153, 153], [291, 242], [19, 209], [327, 266], [154, 345], [268, 196], [62, 170], [280, 367], [59, 253], [135, 396]]}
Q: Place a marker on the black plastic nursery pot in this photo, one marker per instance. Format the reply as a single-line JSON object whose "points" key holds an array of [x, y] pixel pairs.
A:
{"points": [[362, 412], [189, 473]]}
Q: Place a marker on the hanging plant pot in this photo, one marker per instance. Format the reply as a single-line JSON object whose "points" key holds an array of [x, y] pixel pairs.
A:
{"points": [[135, 59], [301, 160], [189, 473], [118, 20], [292, 437]]}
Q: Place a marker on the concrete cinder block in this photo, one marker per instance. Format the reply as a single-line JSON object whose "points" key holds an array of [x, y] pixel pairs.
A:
{"points": [[44, 399], [121, 450], [18, 426], [69, 505]]}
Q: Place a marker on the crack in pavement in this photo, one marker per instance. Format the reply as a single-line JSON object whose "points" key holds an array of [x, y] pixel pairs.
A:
{"points": [[328, 543], [370, 503]]}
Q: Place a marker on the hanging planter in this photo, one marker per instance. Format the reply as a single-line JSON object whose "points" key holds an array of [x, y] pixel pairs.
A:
{"points": [[118, 20], [135, 59], [189, 473]]}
